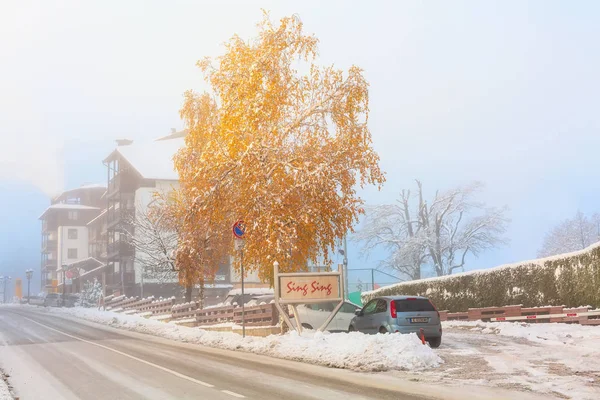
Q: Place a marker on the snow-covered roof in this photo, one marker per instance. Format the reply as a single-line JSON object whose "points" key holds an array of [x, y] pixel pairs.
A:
{"points": [[65, 206], [99, 216], [89, 186], [93, 271], [153, 160], [89, 262], [173, 135]]}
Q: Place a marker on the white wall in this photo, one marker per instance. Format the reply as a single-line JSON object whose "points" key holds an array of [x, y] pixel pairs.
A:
{"points": [[64, 244], [250, 277], [143, 197]]}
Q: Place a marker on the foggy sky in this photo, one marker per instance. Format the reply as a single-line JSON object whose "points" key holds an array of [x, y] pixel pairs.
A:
{"points": [[502, 92]]}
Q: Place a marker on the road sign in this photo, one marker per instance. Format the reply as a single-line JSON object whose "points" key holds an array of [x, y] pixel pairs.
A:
{"points": [[239, 229], [68, 281]]}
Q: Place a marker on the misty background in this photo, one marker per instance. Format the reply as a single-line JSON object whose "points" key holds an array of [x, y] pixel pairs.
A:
{"points": [[506, 93]]}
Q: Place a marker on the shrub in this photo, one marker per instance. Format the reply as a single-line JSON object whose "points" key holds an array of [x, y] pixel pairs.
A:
{"points": [[569, 280]]}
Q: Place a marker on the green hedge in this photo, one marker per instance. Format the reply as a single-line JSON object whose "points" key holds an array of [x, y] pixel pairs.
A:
{"points": [[570, 280]]}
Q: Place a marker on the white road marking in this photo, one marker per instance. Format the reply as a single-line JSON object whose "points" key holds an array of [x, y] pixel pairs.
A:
{"points": [[170, 371], [234, 394]]}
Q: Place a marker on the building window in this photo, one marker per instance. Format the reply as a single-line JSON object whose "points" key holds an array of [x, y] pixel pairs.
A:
{"points": [[71, 253], [72, 234], [73, 215]]}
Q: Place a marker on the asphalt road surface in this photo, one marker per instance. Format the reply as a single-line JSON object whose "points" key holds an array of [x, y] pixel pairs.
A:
{"points": [[55, 357]]}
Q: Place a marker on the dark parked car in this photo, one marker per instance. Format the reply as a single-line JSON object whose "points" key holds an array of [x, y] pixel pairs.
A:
{"points": [[52, 300], [402, 314]]}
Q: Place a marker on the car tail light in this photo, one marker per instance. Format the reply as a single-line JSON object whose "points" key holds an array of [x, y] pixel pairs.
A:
{"points": [[393, 309], [411, 298]]}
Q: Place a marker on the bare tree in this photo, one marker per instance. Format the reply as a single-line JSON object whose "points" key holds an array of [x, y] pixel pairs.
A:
{"points": [[154, 243], [440, 233], [572, 234], [397, 230]]}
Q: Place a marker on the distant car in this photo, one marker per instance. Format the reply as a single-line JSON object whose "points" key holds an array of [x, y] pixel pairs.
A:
{"points": [[52, 300], [235, 296], [72, 299], [402, 314], [312, 316]]}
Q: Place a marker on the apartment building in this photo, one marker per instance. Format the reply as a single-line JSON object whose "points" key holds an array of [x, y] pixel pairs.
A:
{"points": [[135, 172], [64, 232]]}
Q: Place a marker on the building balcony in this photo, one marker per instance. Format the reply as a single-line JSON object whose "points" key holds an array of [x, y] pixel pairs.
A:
{"points": [[120, 217], [119, 249], [49, 245]]}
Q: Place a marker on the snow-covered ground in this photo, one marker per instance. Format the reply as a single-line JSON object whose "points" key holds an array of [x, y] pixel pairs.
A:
{"points": [[560, 360], [4, 391], [354, 351]]}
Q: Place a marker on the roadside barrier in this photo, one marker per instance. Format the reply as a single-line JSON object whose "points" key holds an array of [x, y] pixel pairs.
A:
{"points": [[580, 315]]}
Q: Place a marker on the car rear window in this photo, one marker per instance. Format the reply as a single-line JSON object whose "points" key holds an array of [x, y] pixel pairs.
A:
{"points": [[413, 305]]}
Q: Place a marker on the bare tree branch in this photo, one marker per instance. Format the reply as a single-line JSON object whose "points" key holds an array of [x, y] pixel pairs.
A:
{"points": [[452, 225]]}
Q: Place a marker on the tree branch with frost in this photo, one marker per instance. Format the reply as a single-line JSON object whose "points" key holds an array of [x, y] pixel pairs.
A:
{"points": [[154, 243]]}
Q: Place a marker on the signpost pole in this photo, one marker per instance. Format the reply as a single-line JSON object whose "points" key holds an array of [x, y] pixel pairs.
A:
{"points": [[64, 285], [239, 230], [243, 298]]}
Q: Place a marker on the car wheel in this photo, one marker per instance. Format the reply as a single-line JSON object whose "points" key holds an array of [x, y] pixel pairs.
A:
{"points": [[383, 330], [351, 329], [435, 343], [307, 326]]}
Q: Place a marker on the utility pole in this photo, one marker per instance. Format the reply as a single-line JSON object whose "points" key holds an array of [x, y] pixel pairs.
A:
{"points": [[29, 274], [345, 268]]}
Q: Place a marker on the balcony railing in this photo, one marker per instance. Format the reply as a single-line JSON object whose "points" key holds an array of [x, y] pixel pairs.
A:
{"points": [[119, 248], [49, 245]]}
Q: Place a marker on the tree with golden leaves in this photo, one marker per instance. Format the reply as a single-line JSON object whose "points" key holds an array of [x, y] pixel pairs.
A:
{"points": [[281, 143]]}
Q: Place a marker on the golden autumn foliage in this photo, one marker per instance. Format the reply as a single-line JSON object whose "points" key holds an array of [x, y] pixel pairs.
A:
{"points": [[280, 143]]}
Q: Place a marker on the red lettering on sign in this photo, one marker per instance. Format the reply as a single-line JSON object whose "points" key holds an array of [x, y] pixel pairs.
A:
{"points": [[531, 316], [316, 287], [293, 288]]}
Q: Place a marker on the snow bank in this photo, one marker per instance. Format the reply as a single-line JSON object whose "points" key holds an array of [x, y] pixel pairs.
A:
{"points": [[355, 351], [548, 333], [4, 391]]}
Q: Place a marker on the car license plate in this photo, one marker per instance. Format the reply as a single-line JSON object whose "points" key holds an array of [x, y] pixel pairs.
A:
{"points": [[419, 320]]}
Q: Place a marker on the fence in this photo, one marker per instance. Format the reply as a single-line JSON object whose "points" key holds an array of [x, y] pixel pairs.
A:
{"points": [[189, 314], [581, 315], [266, 315]]}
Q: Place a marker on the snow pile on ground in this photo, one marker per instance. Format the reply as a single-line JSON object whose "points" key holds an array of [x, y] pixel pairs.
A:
{"points": [[556, 359], [548, 333], [4, 390], [355, 351]]}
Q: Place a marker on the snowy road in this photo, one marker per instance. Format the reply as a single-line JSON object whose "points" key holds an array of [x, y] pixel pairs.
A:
{"points": [[559, 360], [51, 357]]}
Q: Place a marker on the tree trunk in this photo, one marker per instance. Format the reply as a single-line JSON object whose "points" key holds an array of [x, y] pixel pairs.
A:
{"points": [[188, 292]]}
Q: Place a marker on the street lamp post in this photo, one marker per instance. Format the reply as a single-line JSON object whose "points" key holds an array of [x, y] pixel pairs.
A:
{"points": [[29, 274], [4, 280]]}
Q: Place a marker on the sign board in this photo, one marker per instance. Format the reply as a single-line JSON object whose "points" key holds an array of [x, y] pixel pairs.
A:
{"points": [[239, 229], [310, 287], [305, 288], [18, 288], [68, 281]]}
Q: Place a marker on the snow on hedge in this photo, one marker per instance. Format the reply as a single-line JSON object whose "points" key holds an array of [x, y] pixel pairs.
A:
{"points": [[570, 279], [355, 351]]}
